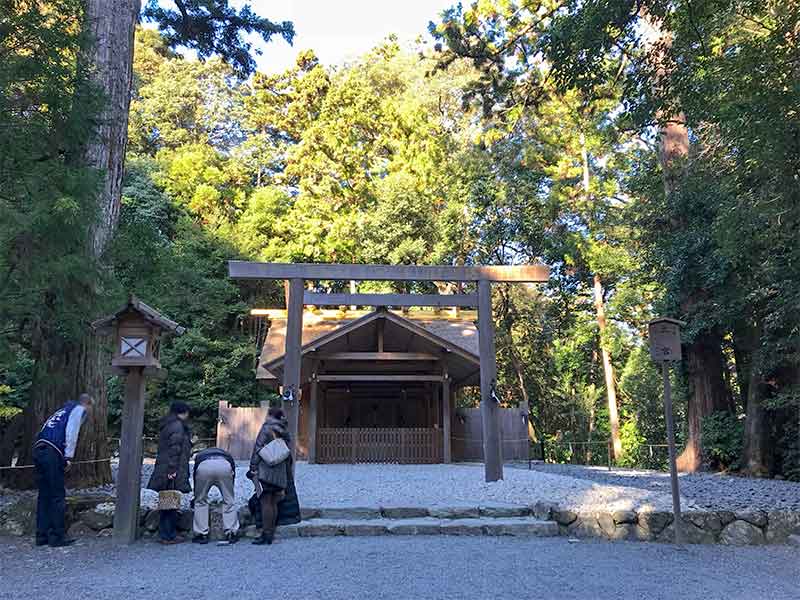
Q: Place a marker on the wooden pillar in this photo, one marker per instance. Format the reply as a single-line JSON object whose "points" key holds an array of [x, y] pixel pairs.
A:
{"points": [[312, 418], [292, 360], [447, 455], [492, 450], [129, 477], [380, 324]]}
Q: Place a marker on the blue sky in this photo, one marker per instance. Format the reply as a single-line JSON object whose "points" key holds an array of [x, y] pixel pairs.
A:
{"points": [[338, 30]]}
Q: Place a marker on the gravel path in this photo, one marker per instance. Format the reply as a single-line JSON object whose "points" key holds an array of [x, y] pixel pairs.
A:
{"points": [[433, 568], [425, 485], [571, 486], [705, 490]]}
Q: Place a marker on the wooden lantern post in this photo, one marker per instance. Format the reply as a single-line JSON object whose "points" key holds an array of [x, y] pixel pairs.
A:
{"points": [[665, 347], [137, 330]]}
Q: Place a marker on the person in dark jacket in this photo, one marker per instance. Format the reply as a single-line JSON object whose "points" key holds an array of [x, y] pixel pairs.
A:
{"points": [[273, 479], [171, 471], [53, 452], [215, 467]]}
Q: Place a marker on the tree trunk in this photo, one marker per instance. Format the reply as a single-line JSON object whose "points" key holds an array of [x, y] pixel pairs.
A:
{"points": [[109, 59], [65, 368], [599, 305], [707, 394], [608, 370], [757, 451]]}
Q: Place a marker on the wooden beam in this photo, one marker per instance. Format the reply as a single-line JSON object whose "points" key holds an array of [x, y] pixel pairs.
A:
{"points": [[380, 325], [492, 448], [129, 478], [379, 378], [422, 356], [292, 356], [353, 300], [312, 418], [239, 269], [447, 454]]}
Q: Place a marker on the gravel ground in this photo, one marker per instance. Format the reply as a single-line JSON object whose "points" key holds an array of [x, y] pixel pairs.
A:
{"points": [[385, 567], [425, 485], [704, 490]]}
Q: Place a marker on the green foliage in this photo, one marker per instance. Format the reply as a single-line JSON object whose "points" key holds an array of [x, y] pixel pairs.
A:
{"points": [[215, 28], [723, 437]]}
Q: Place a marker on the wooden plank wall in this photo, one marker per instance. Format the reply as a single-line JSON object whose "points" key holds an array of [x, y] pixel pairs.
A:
{"points": [[238, 428], [409, 445], [468, 435]]}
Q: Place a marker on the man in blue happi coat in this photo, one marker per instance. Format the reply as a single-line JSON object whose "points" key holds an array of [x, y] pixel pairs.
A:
{"points": [[53, 453]]}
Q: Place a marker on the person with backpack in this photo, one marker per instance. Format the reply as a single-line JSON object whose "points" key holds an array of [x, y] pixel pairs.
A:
{"points": [[53, 453]]}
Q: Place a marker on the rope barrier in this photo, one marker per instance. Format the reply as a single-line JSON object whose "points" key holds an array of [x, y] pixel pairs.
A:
{"points": [[72, 464]]}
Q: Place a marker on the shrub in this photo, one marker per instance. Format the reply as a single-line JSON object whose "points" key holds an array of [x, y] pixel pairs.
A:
{"points": [[723, 437]]}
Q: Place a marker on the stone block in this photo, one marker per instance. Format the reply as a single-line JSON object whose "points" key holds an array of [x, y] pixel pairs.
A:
{"points": [[251, 531], [544, 510], [285, 532], [653, 523], [96, 519], [419, 526], [501, 511], [607, 525], [185, 519], [18, 518], [366, 528], [793, 540], [404, 512], [757, 518], [742, 533], [80, 530], [564, 517], [707, 521], [521, 527], [782, 524], [151, 521], [350, 513], [306, 514], [321, 528], [625, 516], [245, 517], [470, 526], [454, 512], [586, 525], [692, 534]]}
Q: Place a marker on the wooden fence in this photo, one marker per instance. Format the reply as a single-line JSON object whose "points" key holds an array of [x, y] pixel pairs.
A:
{"points": [[238, 428], [380, 445]]}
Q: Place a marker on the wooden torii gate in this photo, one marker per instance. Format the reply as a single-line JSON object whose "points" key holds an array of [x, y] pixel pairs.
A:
{"points": [[297, 273]]}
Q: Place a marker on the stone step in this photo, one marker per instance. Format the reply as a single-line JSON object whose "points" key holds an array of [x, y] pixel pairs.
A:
{"points": [[479, 526], [466, 511]]}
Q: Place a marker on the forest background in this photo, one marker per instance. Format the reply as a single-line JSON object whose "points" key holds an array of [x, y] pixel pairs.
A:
{"points": [[649, 152]]}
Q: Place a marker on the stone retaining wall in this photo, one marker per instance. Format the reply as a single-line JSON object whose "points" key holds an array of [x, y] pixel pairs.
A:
{"points": [[94, 516]]}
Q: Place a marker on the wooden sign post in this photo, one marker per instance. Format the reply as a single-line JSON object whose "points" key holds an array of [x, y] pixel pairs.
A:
{"points": [[137, 330], [665, 347]]}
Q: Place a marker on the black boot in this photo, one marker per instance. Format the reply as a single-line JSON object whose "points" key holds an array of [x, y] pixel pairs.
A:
{"points": [[264, 538]]}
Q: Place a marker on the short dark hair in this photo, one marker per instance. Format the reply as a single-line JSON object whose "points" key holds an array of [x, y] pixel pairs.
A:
{"points": [[85, 398], [276, 412], [178, 408]]}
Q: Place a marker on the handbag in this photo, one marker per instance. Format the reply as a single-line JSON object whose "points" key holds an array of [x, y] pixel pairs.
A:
{"points": [[275, 452], [169, 499]]}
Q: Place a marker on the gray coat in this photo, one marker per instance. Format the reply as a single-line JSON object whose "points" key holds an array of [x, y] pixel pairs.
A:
{"points": [[276, 475], [174, 449]]}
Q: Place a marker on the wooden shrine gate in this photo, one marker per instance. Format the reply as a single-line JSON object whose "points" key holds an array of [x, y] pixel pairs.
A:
{"points": [[398, 445], [481, 276]]}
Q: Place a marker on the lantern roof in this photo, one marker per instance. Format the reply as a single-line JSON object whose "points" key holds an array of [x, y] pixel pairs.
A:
{"points": [[148, 313], [667, 320]]}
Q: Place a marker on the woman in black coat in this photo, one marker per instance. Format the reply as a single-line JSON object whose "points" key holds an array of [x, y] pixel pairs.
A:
{"points": [[171, 471], [274, 480]]}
